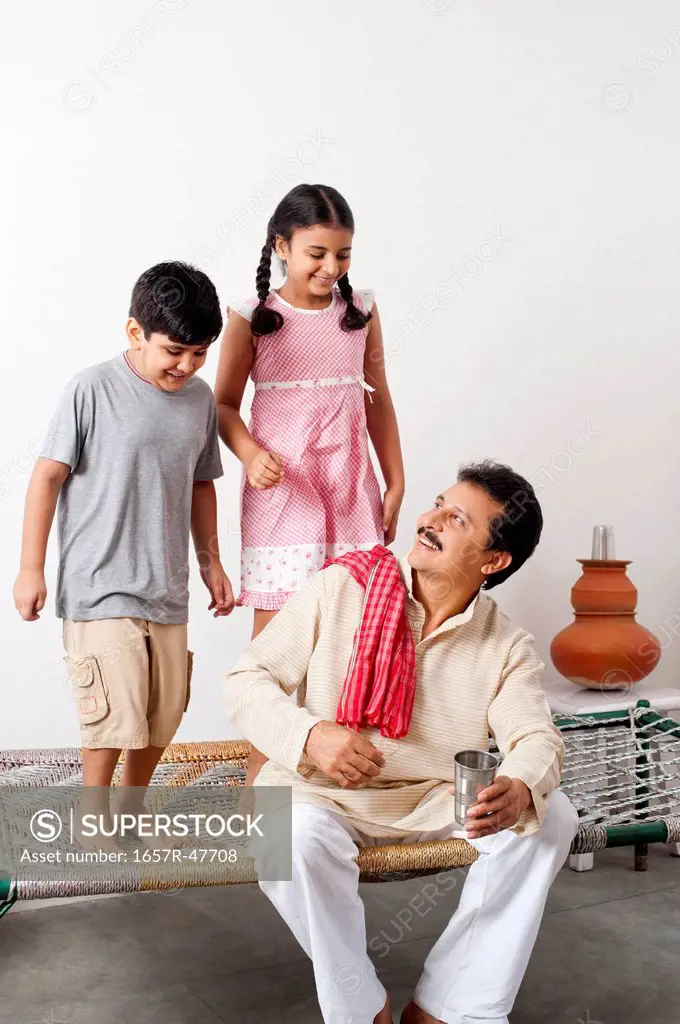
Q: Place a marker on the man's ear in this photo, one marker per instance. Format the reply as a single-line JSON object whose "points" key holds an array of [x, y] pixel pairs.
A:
{"points": [[499, 560]]}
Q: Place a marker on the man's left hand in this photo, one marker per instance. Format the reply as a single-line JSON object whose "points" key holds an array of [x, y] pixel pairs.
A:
{"points": [[217, 582], [499, 806]]}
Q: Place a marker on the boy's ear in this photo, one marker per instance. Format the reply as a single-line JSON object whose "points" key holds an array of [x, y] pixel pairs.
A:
{"points": [[135, 333]]}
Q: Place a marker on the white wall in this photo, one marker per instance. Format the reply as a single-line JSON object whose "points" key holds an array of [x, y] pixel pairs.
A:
{"points": [[141, 133]]}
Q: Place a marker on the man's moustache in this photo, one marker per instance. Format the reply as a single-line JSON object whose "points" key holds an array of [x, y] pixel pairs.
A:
{"points": [[432, 537]]}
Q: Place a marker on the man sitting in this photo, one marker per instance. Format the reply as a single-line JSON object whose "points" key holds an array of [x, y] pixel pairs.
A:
{"points": [[475, 673]]}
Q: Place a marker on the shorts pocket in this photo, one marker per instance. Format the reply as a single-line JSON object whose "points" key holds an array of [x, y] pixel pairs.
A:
{"points": [[190, 671], [87, 687]]}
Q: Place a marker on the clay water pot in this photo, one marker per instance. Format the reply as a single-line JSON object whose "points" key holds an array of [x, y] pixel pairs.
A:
{"points": [[604, 648]]}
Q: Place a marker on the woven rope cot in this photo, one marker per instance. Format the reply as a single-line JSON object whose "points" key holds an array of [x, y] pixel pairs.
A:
{"points": [[621, 771]]}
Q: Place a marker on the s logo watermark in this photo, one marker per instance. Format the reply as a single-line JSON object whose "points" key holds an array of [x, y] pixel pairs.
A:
{"points": [[46, 826]]}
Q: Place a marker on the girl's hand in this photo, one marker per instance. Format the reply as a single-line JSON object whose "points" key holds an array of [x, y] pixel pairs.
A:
{"points": [[217, 582], [265, 470], [391, 506], [30, 594]]}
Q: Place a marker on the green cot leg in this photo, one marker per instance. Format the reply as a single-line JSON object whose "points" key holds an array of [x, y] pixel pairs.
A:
{"points": [[641, 863], [8, 895], [641, 791]]}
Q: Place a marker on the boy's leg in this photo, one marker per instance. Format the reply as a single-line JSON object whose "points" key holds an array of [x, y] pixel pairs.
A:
{"points": [[108, 669], [137, 772], [107, 666], [475, 968], [140, 765], [99, 765], [322, 908], [170, 668], [98, 769]]}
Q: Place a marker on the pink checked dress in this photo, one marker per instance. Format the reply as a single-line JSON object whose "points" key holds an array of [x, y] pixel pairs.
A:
{"points": [[308, 407]]}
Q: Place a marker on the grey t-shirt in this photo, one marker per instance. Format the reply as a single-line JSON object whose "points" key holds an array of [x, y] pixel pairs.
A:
{"points": [[125, 509]]}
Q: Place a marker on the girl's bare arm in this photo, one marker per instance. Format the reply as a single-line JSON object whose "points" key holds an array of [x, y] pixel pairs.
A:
{"points": [[237, 353], [381, 421], [236, 359]]}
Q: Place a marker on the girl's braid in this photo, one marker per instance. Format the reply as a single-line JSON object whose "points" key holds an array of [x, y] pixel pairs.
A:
{"points": [[264, 319], [353, 319]]}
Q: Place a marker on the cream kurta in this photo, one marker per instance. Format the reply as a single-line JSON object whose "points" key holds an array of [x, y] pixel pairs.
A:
{"points": [[477, 673]]}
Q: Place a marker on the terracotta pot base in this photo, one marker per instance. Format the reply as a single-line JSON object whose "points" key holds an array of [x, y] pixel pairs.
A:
{"points": [[589, 684]]}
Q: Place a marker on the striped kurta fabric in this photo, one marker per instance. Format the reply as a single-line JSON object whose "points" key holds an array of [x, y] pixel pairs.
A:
{"points": [[476, 674]]}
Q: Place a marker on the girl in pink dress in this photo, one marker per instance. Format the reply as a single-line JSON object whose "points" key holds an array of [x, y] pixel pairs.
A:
{"points": [[314, 351]]}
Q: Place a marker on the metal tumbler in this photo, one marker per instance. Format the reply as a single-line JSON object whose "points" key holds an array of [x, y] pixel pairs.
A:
{"points": [[474, 771], [603, 543]]}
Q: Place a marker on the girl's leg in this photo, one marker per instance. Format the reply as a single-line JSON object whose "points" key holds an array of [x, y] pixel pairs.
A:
{"points": [[261, 619], [255, 758]]}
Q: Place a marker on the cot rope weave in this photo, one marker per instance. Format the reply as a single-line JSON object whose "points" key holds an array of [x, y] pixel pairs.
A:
{"points": [[601, 773], [673, 826], [589, 839]]}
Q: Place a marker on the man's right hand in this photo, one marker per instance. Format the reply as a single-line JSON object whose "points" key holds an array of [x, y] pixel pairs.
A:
{"points": [[30, 594], [343, 755], [265, 470]]}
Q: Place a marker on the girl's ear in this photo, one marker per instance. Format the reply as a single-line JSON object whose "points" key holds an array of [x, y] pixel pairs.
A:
{"points": [[281, 248]]}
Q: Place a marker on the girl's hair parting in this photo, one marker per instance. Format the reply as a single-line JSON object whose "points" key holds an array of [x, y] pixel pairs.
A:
{"points": [[303, 207]]}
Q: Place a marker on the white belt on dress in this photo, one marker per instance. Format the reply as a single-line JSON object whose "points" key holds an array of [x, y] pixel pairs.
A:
{"points": [[321, 382]]}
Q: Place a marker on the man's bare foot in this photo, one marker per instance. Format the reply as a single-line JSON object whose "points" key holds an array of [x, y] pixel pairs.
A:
{"points": [[414, 1015], [385, 1015]]}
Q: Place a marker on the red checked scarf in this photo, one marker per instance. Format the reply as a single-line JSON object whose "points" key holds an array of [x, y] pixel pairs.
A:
{"points": [[381, 677]]}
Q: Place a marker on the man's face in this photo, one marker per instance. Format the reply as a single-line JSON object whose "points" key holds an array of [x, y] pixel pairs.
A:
{"points": [[450, 549], [165, 363]]}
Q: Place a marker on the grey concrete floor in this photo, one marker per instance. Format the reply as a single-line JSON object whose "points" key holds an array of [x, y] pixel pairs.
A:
{"points": [[608, 953]]}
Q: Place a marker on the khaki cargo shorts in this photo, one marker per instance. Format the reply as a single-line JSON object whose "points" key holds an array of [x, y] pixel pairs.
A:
{"points": [[130, 681]]}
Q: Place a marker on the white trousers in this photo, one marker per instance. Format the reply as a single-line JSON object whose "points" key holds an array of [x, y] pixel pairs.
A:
{"points": [[474, 970]]}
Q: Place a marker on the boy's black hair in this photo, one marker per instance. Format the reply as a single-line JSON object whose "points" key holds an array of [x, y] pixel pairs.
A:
{"points": [[177, 300], [517, 529], [303, 207]]}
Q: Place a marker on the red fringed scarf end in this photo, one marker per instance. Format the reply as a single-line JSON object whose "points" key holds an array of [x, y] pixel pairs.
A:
{"points": [[380, 684]]}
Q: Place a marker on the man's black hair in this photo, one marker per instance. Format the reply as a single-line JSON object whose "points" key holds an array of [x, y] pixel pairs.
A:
{"points": [[517, 529]]}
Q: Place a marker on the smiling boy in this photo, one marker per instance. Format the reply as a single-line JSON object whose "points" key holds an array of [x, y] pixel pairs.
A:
{"points": [[131, 455]]}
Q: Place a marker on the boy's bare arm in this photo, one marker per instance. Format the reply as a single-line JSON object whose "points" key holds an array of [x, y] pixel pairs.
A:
{"points": [[204, 532], [30, 591]]}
